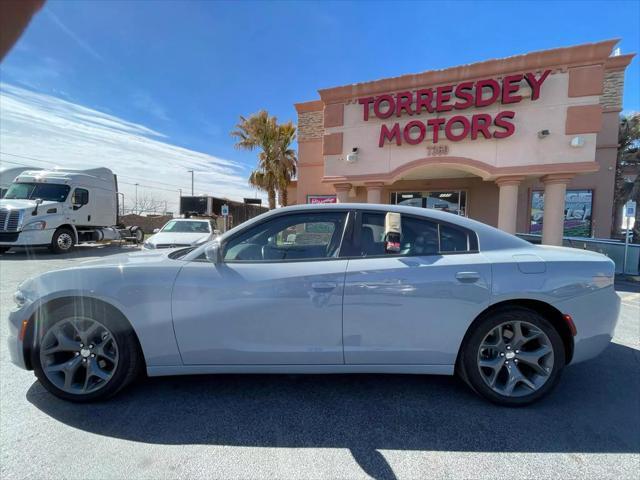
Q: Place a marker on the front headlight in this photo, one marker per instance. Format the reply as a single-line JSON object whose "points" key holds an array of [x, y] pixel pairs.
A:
{"points": [[19, 298], [39, 225], [148, 245]]}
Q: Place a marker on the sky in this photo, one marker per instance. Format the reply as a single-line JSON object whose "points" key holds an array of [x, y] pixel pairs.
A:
{"points": [[152, 89]]}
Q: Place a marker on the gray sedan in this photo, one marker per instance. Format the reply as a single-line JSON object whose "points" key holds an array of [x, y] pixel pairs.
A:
{"points": [[323, 289]]}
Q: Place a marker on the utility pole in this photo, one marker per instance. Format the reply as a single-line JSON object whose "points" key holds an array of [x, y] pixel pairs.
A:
{"points": [[135, 207], [191, 181]]}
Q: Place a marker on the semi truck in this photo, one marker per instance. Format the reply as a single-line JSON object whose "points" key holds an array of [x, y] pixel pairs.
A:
{"points": [[61, 208]]}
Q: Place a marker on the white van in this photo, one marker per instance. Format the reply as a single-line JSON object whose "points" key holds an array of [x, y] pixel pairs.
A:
{"points": [[60, 208]]}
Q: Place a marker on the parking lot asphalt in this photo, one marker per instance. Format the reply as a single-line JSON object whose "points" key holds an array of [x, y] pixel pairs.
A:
{"points": [[330, 426]]}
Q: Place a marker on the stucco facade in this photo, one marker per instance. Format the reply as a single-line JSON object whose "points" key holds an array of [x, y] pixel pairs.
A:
{"points": [[499, 135]]}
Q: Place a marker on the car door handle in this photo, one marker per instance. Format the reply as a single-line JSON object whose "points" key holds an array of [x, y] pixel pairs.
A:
{"points": [[324, 286], [468, 277]]}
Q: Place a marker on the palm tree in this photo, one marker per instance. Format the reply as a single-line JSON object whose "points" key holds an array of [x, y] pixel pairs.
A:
{"points": [[276, 160], [285, 160], [628, 154], [258, 131]]}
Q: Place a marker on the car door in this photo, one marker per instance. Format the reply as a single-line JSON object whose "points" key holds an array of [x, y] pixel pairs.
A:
{"points": [[412, 307], [276, 298]]}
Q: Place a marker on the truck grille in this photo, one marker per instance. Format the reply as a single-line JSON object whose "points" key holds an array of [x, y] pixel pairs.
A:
{"points": [[9, 220]]}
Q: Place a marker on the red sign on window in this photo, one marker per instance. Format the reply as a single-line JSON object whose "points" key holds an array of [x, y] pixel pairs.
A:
{"points": [[321, 199]]}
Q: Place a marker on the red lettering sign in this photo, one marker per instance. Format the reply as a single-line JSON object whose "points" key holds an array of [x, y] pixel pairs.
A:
{"points": [[465, 95]]}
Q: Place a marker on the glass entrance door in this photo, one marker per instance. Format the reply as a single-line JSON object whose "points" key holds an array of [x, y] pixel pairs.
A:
{"points": [[453, 201]]}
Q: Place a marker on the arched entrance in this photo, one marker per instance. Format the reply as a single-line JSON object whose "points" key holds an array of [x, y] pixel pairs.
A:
{"points": [[468, 187]]}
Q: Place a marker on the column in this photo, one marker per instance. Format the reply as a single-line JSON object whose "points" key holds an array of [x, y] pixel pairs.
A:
{"points": [[374, 192], [342, 192], [555, 186], [508, 202]]}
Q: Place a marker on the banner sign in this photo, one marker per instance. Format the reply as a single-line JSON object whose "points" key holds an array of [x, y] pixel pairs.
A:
{"points": [[321, 199], [577, 212]]}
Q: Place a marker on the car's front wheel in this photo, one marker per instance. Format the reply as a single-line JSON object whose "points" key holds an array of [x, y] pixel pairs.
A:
{"points": [[85, 352], [512, 357]]}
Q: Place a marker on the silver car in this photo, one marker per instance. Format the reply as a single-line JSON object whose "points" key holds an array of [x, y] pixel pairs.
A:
{"points": [[342, 288]]}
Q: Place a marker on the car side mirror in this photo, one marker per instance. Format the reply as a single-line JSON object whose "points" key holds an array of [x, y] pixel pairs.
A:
{"points": [[213, 254], [156, 230]]}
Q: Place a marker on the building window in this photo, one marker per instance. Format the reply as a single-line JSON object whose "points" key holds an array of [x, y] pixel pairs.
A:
{"points": [[577, 212], [453, 201]]}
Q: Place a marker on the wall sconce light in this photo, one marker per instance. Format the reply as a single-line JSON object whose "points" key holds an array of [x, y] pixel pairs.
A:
{"points": [[353, 156], [577, 142]]}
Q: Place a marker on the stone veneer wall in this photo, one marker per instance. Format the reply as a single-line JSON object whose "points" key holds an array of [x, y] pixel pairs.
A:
{"points": [[613, 85], [310, 125]]}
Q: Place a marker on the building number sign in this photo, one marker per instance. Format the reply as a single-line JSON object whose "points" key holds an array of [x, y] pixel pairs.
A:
{"points": [[437, 150]]}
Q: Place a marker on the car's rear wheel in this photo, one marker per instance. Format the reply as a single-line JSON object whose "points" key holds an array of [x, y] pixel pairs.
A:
{"points": [[85, 352], [512, 357]]}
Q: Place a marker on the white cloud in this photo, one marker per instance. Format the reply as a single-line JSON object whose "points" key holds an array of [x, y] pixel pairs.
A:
{"points": [[145, 102], [50, 132], [79, 41]]}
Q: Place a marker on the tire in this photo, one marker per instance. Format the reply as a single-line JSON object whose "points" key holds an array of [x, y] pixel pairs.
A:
{"points": [[510, 369], [63, 241], [4, 250], [107, 362], [138, 235]]}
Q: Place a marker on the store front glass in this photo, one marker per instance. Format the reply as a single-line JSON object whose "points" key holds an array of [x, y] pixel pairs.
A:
{"points": [[453, 201], [577, 212]]}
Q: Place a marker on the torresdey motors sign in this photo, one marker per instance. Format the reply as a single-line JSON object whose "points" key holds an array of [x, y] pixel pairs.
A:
{"points": [[446, 98]]}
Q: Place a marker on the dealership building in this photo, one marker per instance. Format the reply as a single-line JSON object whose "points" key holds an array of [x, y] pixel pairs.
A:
{"points": [[526, 143]]}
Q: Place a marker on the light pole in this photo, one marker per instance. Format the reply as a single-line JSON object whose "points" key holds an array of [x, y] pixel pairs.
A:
{"points": [[135, 207], [191, 181]]}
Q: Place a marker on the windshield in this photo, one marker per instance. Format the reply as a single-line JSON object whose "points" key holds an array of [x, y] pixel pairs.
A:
{"points": [[187, 227], [31, 191]]}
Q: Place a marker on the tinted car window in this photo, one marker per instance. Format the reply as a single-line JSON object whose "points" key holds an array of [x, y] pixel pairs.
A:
{"points": [[291, 237], [372, 234], [453, 239], [419, 237]]}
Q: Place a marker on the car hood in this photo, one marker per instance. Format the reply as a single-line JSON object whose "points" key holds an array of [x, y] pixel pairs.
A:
{"points": [[125, 260], [172, 238]]}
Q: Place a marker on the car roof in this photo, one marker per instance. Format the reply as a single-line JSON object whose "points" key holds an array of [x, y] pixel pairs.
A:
{"points": [[489, 238]]}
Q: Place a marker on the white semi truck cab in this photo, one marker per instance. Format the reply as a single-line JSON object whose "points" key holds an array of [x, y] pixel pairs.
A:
{"points": [[61, 208]]}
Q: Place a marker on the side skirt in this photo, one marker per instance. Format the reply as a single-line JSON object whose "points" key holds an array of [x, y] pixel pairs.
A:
{"points": [[156, 371]]}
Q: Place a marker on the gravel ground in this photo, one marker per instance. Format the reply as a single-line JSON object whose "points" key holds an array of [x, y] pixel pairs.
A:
{"points": [[342, 426]]}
